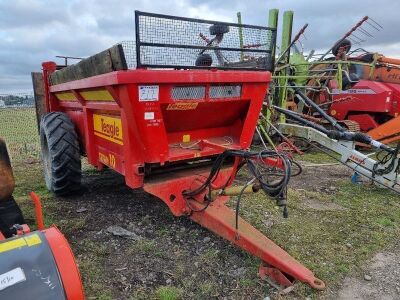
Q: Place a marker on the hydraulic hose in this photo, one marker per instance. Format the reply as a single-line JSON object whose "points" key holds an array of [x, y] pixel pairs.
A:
{"points": [[311, 103], [298, 118], [337, 135]]}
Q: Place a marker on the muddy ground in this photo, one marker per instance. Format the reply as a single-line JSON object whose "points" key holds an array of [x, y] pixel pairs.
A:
{"points": [[174, 258]]}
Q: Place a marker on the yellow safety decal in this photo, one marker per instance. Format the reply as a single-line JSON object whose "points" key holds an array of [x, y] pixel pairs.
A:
{"points": [[108, 128], [65, 96], [182, 106], [97, 95], [186, 138], [33, 240], [30, 240], [13, 244]]}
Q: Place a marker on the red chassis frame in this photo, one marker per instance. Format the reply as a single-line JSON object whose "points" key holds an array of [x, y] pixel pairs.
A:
{"points": [[166, 128]]}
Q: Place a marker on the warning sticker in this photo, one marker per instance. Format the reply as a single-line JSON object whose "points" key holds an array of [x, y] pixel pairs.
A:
{"points": [[182, 106], [148, 92]]}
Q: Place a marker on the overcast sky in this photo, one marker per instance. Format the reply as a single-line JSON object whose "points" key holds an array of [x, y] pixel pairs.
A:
{"points": [[32, 31]]}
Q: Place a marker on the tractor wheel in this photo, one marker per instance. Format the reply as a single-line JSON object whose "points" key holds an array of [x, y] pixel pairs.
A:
{"points": [[60, 154], [203, 60], [344, 43], [218, 29]]}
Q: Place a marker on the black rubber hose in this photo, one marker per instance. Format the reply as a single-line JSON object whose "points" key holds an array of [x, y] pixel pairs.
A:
{"points": [[298, 118], [360, 138], [334, 134], [311, 103]]}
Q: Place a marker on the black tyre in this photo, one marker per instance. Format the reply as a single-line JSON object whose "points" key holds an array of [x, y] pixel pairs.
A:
{"points": [[60, 154], [218, 29], [203, 60], [344, 43]]}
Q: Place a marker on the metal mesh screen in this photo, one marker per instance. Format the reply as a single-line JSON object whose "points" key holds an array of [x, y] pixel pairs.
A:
{"points": [[130, 53], [188, 92], [175, 42], [225, 91], [18, 126]]}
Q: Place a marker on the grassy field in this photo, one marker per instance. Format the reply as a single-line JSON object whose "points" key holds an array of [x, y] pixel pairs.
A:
{"points": [[331, 242], [19, 128]]}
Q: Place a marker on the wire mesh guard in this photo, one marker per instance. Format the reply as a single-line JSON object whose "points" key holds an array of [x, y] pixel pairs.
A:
{"points": [[175, 42]]}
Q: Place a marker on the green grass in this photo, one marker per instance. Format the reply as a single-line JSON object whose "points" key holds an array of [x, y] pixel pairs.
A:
{"points": [[146, 248], [92, 271], [18, 127], [369, 222], [316, 157], [169, 293]]}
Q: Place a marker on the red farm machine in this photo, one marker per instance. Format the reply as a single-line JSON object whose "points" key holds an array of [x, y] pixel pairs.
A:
{"points": [[327, 101], [33, 264], [174, 113], [360, 89]]}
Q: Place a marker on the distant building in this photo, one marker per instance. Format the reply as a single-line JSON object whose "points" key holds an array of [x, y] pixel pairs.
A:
{"points": [[2, 104]]}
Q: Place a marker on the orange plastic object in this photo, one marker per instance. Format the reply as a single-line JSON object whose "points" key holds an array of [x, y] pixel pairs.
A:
{"points": [[38, 210]]}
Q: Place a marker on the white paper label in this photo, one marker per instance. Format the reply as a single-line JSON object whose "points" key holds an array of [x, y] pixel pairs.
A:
{"points": [[148, 92], [12, 277], [149, 115]]}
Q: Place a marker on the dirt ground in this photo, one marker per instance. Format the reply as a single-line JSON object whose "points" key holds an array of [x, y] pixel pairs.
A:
{"points": [[378, 279], [174, 258]]}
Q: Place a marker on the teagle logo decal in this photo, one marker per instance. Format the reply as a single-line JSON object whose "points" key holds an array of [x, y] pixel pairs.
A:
{"points": [[108, 127]]}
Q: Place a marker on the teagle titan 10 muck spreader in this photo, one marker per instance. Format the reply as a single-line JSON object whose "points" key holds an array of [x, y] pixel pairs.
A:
{"points": [[179, 125]]}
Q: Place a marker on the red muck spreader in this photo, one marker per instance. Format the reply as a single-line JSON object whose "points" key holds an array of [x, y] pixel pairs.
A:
{"points": [[179, 125]]}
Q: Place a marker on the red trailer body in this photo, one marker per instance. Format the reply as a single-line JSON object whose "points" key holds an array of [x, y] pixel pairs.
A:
{"points": [[146, 122], [137, 119]]}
